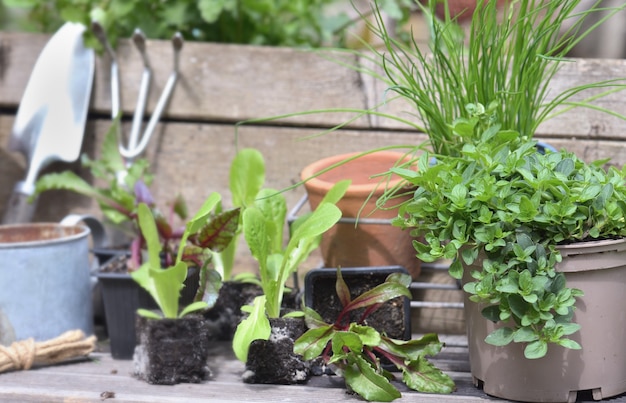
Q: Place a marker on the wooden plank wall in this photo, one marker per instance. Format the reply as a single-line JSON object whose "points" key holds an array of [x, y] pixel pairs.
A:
{"points": [[224, 84]]}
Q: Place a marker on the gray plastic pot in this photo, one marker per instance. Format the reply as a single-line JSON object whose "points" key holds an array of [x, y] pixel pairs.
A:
{"points": [[598, 268]]}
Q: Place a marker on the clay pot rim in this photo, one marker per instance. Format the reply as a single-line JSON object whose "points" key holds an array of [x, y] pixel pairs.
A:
{"points": [[356, 190]]}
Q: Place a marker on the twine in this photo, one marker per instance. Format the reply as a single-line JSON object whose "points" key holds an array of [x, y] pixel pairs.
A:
{"points": [[22, 355]]}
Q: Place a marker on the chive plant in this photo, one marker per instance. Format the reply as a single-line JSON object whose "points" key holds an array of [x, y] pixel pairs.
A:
{"points": [[508, 55]]}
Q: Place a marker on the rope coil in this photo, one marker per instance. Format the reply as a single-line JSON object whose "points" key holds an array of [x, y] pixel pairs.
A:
{"points": [[22, 355]]}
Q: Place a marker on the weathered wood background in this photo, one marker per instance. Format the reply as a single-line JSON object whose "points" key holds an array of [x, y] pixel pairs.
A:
{"points": [[221, 85], [224, 84]]}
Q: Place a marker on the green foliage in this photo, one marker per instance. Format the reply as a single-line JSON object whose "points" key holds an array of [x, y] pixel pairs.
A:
{"points": [[164, 285], [212, 232], [246, 178], [354, 348], [502, 209], [509, 55], [308, 23], [117, 199], [264, 223]]}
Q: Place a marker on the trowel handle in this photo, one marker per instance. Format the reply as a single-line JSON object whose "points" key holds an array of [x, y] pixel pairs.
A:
{"points": [[19, 209]]}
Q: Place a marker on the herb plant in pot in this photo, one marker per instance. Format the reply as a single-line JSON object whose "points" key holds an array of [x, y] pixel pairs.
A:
{"points": [[539, 241], [246, 178], [354, 350], [264, 339], [118, 200], [364, 237], [173, 345]]}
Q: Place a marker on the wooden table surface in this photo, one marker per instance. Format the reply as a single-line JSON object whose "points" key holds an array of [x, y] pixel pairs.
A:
{"points": [[100, 378]]}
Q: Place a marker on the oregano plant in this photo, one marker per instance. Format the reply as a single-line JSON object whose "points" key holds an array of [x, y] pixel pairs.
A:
{"points": [[500, 210], [354, 350]]}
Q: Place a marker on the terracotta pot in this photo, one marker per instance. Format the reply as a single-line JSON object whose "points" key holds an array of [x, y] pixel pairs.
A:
{"points": [[598, 268], [347, 245]]}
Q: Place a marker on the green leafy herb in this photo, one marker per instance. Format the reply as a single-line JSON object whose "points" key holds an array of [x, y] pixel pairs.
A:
{"points": [[502, 209], [354, 348], [263, 225], [164, 285]]}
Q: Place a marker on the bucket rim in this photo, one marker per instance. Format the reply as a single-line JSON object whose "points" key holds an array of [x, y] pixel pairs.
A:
{"points": [[74, 232]]}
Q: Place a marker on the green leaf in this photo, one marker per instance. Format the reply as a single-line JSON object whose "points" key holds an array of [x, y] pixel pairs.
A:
{"points": [[342, 290], [525, 335], [312, 318], [423, 376], [367, 335], [369, 384], [491, 313], [342, 340], [209, 287], [193, 307], [149, 314], [257, 238], [198, 221], [427, 345], [378, 295], [167, 286], [313, 342], [219, 231], [536, 349], [273, 206], [336, 192], [255, 327], [150, 233], [569, 343], [500, 337], [247, 175]]}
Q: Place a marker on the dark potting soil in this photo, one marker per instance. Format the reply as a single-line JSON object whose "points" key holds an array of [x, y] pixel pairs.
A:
{"points": [[273, 361], [117, 264], [390, 318], [171, 351], [225, 315]]}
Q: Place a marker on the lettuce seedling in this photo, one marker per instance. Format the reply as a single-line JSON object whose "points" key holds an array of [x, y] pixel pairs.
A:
{"points": [[353, 349], [263, 225], [165, 284]]}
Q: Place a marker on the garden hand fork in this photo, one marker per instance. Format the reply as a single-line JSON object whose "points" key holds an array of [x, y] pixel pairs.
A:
{"points": [[136, 145]]}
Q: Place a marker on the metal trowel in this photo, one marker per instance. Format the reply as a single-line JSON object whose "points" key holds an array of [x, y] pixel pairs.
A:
{"points": [[51, 117]]}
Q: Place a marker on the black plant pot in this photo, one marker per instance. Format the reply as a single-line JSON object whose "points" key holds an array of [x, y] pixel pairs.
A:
{"points": [[121, 297], [273, 361], [171, 351], [392, 318]]}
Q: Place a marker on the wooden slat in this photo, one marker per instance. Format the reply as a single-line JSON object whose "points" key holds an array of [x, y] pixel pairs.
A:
{"points": [[85, 381], [232, 82]]}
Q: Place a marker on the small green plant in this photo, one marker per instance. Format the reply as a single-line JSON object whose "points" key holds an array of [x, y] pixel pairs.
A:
{"points": [[264, 224], [354, 349], [246, 178], [506, 208], [118, 201], [165, 284], [118, 198]]}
